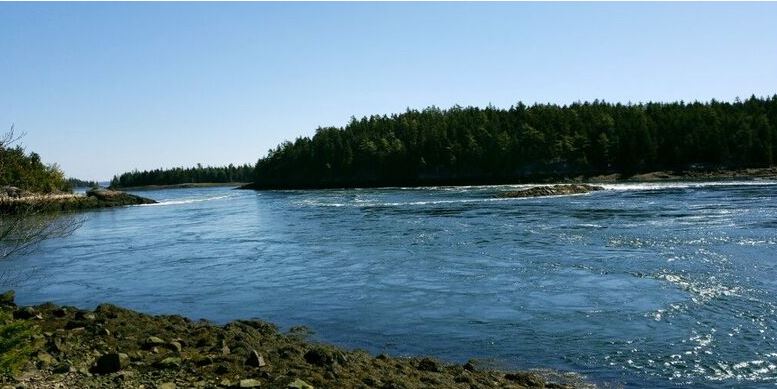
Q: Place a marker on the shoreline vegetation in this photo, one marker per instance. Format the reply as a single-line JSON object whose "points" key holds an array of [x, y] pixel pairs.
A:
{"points": [[521, 144], [112, 346], [198, 175]]}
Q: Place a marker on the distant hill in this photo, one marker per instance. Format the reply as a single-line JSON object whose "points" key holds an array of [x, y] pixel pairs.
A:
{"points": [[490, 145]]}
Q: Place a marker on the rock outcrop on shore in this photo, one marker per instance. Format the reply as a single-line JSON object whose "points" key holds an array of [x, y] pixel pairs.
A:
{"points": [[116, 347], [16, 200], [552, 190]]}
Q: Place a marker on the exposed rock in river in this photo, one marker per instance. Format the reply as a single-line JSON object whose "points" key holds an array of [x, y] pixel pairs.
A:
{"points": [[111, 350], [112, 198], [13, 200], [552, 190]]}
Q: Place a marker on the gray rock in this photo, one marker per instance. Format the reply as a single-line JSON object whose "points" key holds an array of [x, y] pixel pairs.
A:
{"points": [[110, 363], [175, 346], [109, 197], [153, 341], [63, 368], [85, 315], [45, 358], [255, 359], [249, 383], [12, 191], [299, 384], [169, 363]]}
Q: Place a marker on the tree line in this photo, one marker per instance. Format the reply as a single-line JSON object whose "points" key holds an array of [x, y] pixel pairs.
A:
{"points": [[27, 171], [180, 175], [490, 145], [78, 183]]}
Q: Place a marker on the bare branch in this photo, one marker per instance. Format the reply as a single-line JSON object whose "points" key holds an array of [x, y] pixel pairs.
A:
{"points": [[21, 232]]}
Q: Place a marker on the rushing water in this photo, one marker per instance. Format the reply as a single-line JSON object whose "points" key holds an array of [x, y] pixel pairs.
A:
{"points": [[639, 285]]}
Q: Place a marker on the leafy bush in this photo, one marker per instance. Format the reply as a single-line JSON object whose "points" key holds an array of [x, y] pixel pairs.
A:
{"points": [[27, 171], [15, 342]]}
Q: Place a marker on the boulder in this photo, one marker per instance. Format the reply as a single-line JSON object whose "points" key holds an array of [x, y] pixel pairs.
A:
{"points": [[249, 383], [110, 363], [45, 358], [153, 341], [12, 192], [108, 197], [175, 346], [169, 363], [255, 359], [63, 368], [27, 313], [299, 384], [427, 364]]}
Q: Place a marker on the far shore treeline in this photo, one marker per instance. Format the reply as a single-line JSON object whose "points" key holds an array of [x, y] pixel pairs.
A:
{"points": [[543, 141], [179, 175]]}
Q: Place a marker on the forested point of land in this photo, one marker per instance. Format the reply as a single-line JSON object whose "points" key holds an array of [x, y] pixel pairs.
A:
{"points": [[544, 141], [180, 175], [27, 171]]}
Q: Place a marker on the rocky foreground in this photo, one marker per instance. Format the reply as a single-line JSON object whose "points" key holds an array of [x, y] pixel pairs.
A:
{"points": [[552, 190], [116, 347], [14, 200]]}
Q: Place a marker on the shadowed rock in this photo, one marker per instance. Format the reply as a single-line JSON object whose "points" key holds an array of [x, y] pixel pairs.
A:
{"points": [[112, 198], [53, 202], [552, 190]]}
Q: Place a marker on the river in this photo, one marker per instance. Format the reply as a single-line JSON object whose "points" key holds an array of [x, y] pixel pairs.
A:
{"points": [[642, 285]]}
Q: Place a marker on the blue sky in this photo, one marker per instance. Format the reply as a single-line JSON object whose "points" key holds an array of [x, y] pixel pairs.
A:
{"points": [[102, 88]]}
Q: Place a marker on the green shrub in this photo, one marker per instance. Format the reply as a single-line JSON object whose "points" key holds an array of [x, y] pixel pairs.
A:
{"points": [[16, 344]]}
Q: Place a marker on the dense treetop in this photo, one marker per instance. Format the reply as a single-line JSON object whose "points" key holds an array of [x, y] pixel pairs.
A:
{"points": [[78, 183], [490, 145], [179, 175], [27, 171]]}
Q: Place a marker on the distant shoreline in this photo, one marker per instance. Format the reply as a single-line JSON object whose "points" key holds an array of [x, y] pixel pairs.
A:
{"points": [[181, 186], [691, 175], [655, 176]]}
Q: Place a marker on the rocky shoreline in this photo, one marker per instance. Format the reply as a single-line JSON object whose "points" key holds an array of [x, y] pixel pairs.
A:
{"points": [[115, 347], [689, 175], [14, 200]]}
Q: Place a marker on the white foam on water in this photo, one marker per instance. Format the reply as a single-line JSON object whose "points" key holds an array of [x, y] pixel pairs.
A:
{"points": [[701, 293], [185, 201], [682, 185], [369, 204]]}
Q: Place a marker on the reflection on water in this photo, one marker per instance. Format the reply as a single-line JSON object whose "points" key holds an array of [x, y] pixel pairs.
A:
{"points": [[642, 284]]}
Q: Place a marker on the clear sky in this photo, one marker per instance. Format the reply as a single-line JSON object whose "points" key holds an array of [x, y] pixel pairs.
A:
{"points": [[102, 88]]}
